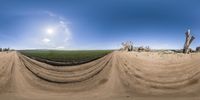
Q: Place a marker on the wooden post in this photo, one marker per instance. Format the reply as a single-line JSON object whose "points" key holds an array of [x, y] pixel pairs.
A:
{"points": [[188, 41]]}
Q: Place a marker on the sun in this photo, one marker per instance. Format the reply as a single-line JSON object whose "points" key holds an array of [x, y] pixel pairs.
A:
{"points": [[50, 30]]}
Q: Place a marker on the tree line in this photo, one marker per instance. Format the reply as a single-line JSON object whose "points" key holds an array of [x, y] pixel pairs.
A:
{"points": [[4, 49]]}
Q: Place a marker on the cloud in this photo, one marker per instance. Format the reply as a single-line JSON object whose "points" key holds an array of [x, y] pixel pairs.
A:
{"points": [[46, 40], [60, 47], [50, 13]]}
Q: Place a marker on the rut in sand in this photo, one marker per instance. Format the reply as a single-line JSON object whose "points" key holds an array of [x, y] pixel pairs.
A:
{"points": [[118, 75]]}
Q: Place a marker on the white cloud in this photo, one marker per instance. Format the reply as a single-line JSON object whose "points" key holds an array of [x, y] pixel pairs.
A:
{"points": [[60, 47], [50, 13], [61, 22], [46, 40]]}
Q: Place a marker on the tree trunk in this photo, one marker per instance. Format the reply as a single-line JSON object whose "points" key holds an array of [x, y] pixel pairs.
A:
{"points": [[188, 41]]}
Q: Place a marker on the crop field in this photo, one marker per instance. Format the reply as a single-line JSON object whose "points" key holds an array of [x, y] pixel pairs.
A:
{"points": [[62, 57]]}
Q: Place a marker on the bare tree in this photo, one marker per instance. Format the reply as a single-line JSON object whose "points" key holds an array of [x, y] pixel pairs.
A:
{"points": [[147, 49], [198, 49], [6, 49], [141, 49], [188, 41], [127, 46]]}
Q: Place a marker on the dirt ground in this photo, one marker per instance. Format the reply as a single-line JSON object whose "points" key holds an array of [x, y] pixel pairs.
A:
{"points": [[117, 76]]}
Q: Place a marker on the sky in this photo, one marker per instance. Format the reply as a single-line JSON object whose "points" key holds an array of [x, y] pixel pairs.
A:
{"points": [[98, 24]]}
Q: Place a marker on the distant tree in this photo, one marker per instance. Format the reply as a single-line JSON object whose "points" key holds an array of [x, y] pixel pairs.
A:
{"points": [[127, 46], [6, 49]]}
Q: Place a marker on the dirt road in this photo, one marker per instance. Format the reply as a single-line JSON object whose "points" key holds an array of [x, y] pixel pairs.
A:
{"points": [[117, 76]]}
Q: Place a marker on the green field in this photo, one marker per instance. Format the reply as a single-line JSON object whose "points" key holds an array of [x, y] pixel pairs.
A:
{"points": [[68, 57]]}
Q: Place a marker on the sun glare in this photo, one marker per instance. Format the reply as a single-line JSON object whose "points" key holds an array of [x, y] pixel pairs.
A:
{"points": [[49, 30]]}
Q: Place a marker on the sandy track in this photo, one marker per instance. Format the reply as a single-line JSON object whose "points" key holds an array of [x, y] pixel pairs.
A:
{"points": [[143, 77], [119, 75]]}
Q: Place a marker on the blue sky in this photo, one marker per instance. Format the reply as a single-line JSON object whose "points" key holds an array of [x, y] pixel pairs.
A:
{"points": [[97, 24]]}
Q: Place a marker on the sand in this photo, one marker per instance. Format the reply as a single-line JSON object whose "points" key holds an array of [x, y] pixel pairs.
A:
{"points": [[117, 76]]}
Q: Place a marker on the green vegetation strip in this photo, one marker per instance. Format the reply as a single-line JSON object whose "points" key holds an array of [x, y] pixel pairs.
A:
{"points": [[63, 57]]}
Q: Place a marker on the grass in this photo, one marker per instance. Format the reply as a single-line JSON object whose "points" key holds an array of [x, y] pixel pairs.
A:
{"points": [[66, 56]]}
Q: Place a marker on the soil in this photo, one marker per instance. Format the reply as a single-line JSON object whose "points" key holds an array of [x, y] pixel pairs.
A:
{"points": [[117, 76]]}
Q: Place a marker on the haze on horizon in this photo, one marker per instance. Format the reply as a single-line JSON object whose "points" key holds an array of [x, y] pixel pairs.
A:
{"points": [[97, 24]]}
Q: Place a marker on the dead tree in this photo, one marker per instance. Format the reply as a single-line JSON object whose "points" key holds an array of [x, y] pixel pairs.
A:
{"points": [[141, 49], [188, 41], [127, 46], [124, 47], [130, 46], [147, 49], [197, 49]]}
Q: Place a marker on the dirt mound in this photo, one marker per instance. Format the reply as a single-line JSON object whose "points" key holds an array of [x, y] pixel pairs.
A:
{"points": [[119, 75]]}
